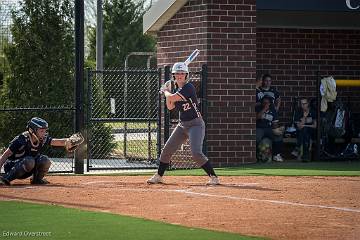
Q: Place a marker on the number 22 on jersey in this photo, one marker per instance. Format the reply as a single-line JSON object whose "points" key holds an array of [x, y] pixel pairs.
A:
{"points": [[186, 106]]}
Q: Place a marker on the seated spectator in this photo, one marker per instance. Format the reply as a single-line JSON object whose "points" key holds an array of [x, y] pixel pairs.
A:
{"points": [[267, 90], [305, 122], [266, 120]]}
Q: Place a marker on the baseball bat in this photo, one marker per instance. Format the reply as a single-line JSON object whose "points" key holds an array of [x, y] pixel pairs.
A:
{"points": [[192, 56]]}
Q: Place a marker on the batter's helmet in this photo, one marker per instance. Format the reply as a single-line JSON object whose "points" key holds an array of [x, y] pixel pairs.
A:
{"points": [[180, 67]]}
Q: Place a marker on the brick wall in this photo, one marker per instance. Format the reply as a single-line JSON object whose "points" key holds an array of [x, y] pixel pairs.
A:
{"points": [[225, 32], [232, 66], [293, 57], [185, 32]]}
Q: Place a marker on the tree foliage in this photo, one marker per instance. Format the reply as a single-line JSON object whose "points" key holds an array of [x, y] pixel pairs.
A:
{"points": [[122, 33], [41, 62], [41, 57]]}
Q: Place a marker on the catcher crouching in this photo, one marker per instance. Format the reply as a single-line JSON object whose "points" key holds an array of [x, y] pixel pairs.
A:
{"points": [[23, 157]]}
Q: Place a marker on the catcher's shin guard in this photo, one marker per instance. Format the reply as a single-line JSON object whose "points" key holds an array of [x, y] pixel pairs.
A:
{"points": [[21, 169], [41, 169]]}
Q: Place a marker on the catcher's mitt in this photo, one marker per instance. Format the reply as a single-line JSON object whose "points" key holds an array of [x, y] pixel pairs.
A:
{"points": [[73, 142]]}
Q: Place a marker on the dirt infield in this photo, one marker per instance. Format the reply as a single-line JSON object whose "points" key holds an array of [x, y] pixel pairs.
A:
{"points": [[274, 207]]}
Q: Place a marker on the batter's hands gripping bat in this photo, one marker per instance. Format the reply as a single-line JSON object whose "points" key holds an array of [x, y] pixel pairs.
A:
{"points": [[169, 85], [166, 87], [73, 142]]}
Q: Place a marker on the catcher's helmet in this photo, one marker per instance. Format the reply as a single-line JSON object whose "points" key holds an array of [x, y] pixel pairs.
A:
{"points": [[180, 67], [35, 123], [38, 123]]}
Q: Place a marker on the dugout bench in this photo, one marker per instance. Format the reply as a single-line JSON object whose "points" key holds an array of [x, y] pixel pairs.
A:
{"points": [[316, 149], [290, 143]]}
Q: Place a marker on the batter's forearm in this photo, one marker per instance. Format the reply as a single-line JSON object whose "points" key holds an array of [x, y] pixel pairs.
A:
{"points": [[173, 97], [170, 105]]}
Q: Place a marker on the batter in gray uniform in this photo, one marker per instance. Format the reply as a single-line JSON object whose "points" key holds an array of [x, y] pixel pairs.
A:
{"points": [[191, 125]]}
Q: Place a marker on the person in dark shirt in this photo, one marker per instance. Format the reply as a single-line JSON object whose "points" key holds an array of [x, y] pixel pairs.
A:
{"points": [[191, 125], [267, 90], [259, 94], [23, 157], [305, 121], [266, 120]]}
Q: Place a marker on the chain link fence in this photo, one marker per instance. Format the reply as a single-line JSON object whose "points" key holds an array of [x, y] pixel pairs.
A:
{"points": [[122, 124], [124, 119]]}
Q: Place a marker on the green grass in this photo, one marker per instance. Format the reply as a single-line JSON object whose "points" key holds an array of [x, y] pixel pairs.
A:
{"points": [[66, 223], [136, 148], [339, 168], [345, 168]]}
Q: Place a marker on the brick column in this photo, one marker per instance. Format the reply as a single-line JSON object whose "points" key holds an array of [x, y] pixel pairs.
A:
{"points": [[225, 32], [232, 68]]}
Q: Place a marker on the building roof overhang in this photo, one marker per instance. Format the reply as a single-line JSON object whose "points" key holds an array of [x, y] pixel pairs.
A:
{"points": [[312, 14], [159, 14]]}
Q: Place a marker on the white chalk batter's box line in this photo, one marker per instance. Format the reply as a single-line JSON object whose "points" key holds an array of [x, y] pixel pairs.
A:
{"points": [[190, 183], [184, 191]]}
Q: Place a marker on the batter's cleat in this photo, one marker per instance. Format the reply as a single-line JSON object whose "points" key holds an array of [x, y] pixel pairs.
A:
{"points": [[4, 181], [213, 181], [39, 181], [155, 179]]}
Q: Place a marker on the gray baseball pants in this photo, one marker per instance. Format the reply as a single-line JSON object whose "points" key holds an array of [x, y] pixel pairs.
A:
{"points": [[195, 131]]}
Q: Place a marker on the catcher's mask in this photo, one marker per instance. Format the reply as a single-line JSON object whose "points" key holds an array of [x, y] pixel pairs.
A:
{"points": [[35, 124]]}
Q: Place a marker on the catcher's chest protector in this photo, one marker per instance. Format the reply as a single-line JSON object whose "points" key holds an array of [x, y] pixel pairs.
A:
{"points": [[22, 147]]}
